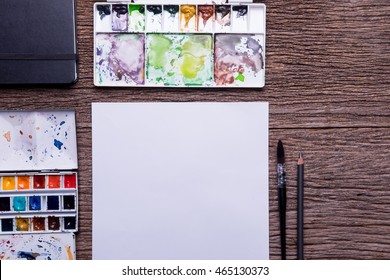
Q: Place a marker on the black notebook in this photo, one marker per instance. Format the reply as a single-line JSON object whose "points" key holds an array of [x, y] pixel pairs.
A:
{"points": [[38, 42]]}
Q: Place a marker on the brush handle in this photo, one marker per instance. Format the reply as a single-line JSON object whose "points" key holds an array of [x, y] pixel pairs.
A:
{"points": [[282, 219], [300, 195]]}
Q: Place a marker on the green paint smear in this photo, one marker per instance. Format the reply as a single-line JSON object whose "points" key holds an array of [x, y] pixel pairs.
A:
{"points": [[159, 45], [194, 52], [240, 77]]}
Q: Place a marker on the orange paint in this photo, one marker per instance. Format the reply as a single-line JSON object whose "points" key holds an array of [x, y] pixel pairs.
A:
{"points": [[187, 12], [54, 182], [23, 182], [8, 183]]}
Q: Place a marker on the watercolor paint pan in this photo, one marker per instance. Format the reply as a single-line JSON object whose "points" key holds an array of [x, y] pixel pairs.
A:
{"points": [[38, 172], [175, 44]]}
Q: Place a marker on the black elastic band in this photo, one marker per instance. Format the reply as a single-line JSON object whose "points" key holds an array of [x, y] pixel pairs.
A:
{"points": [[25, 56]]}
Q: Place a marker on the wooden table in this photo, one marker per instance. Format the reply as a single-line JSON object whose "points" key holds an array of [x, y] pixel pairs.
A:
{"points": [[328, 85]]}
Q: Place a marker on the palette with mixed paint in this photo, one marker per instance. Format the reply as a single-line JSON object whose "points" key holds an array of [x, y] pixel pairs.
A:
{"points": [[38, 177], [196, 44]]}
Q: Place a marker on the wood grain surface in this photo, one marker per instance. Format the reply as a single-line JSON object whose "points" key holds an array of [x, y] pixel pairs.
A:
{"points": [[328, 85]]}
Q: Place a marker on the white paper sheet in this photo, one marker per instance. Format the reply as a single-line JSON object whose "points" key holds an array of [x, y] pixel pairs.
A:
{"points": [[180, 181]]}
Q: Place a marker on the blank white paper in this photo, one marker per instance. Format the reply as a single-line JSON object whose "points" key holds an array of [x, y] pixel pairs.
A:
{"points": [[180, 181]]}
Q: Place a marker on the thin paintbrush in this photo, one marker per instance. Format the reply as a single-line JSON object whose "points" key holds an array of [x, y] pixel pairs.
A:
{"points": [[281, 173], [300, 181]]}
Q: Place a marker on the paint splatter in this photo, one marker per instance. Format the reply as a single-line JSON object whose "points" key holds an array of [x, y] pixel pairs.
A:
{"points": [[7, 136], [58, 144], [27, 255]]}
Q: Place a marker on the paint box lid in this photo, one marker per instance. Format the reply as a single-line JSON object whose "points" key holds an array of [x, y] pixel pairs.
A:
{"points": [[38, 42], [38, 140], [58, 246]]}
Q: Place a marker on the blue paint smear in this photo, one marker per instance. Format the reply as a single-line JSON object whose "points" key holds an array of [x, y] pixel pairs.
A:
{"points": [[27, 255], [58, 144]]}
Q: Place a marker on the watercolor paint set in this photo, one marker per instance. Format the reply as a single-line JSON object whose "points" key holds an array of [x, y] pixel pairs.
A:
{"points": [[179, 44], [38, 203], [38, 174]]}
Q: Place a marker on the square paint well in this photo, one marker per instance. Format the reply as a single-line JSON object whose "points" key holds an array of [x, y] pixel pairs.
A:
{"points": [[8, 183], [35, 203], [19, 203], [119, 59], [179, 59], [69, 223], [5, 204], [54, 223], [23, 182], [239, 60], [69, 202], [22, 224], [39, 182], [54, 182], [38, 224], [7, 225], [70, 181], [53, 202]]}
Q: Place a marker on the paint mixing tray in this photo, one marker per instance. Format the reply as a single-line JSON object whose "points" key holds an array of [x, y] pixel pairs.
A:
{"points": [[179, 44]]}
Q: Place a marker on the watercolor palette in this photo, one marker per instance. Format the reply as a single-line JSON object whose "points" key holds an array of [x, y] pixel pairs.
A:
{"points": [[197, 44]]}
